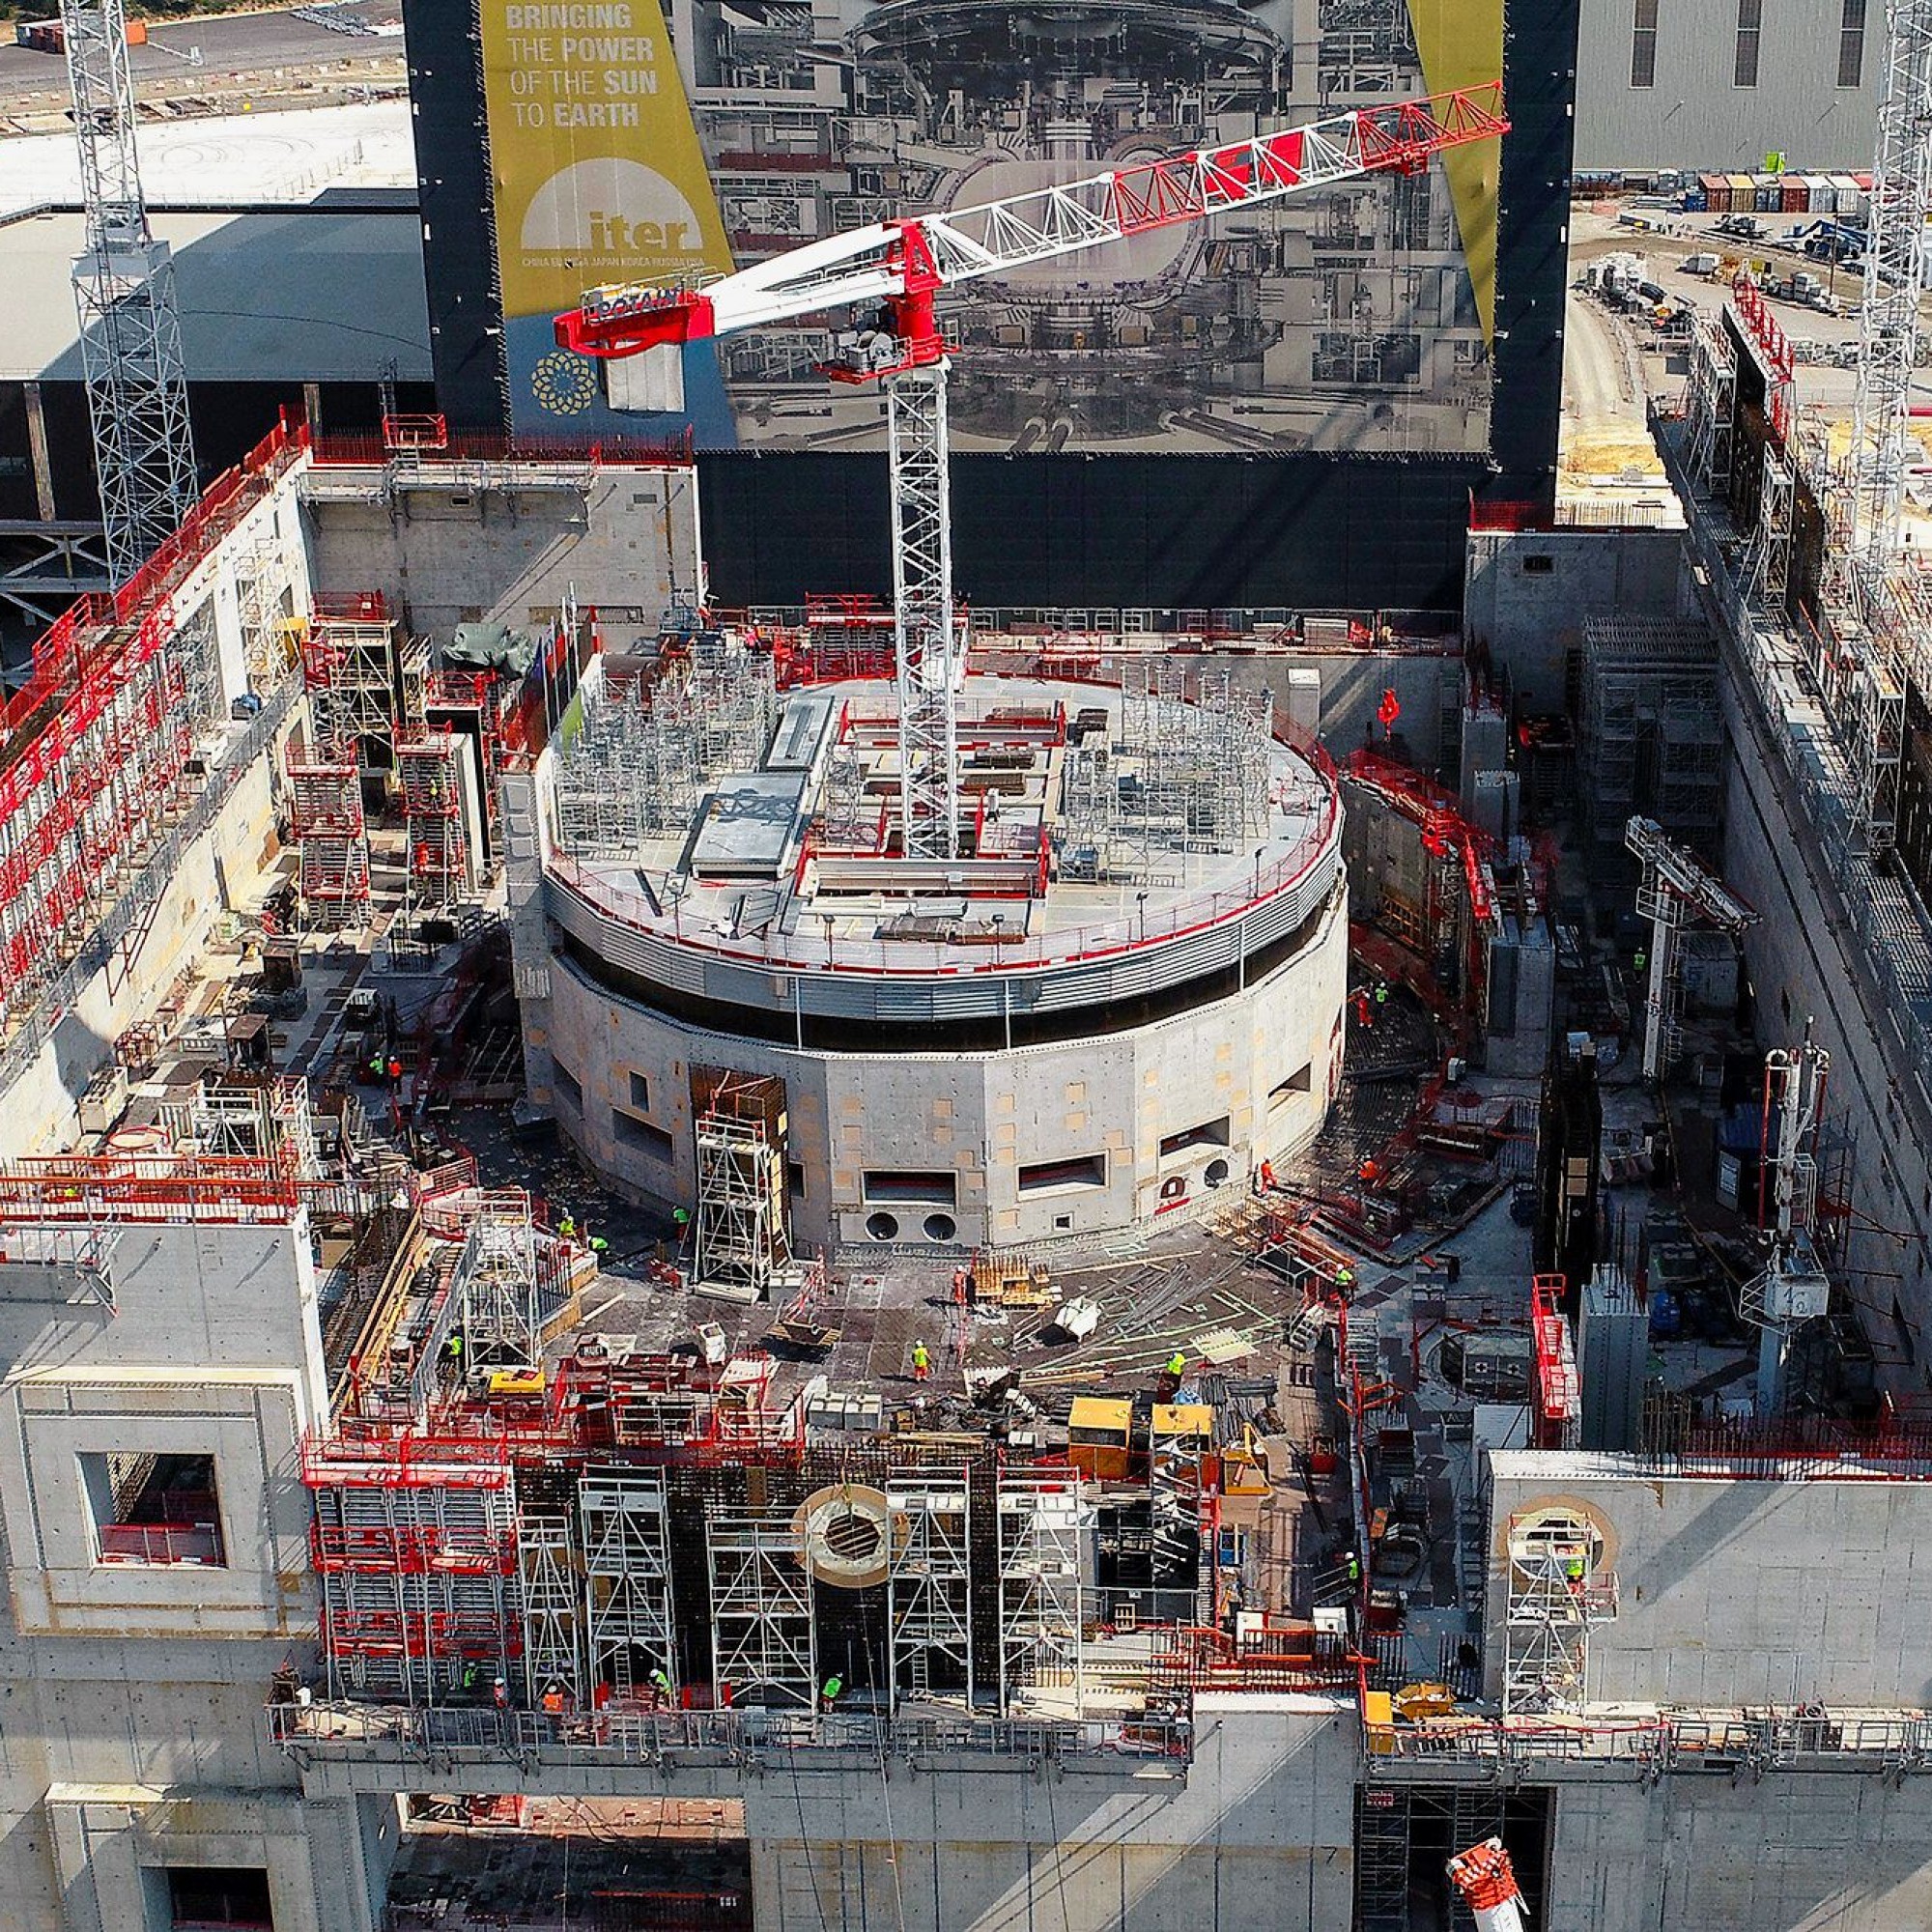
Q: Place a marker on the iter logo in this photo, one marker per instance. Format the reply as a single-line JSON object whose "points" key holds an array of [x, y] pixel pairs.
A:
{"points": [[612, 217]]}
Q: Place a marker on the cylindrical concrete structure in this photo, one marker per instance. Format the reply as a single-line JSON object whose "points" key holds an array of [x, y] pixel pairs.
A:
{"points": [[1006, 1052]]}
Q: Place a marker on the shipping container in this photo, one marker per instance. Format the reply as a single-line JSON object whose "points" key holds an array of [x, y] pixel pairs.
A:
{"points": [[1695, 200], [1744, 195], [1850, 197], [1717, 192], [1768, 192], [1794, 195]]}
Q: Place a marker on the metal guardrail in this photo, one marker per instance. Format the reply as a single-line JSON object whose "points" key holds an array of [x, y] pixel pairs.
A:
{"points": [[736, 1739], [156, 872], [1056, 971], [1744, 1745]]}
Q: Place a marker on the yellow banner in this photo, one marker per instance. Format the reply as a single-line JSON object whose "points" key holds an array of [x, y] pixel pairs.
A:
{"points": [[577, 91], [1460, 43]]}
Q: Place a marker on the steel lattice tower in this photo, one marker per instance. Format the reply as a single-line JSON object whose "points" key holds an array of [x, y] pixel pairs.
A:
{"points": [[1888, 316], [123, 289]]}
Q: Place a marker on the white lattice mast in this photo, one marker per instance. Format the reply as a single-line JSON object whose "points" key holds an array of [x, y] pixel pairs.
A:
{"points": [[124, 288], [1901, 198], [929, 649]]}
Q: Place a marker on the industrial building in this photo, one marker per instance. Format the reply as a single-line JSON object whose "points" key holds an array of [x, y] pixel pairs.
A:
{"points": [[1674, 88], [678, 1260]]}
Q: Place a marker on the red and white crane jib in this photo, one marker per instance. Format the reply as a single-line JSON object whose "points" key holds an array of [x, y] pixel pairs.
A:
{"points": [[903, 264]]}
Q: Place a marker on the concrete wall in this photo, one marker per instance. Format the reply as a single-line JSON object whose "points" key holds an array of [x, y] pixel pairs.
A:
{"points": [[1736, 1593], [981, 1115], [628, 541], [1531, 619], [1807, 963], [1260, 1834], [1695, 116], [132, 1694], [1790, 1852]]}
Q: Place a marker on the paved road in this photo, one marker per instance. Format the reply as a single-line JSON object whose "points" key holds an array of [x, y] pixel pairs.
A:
{"points": [[234, 45]]}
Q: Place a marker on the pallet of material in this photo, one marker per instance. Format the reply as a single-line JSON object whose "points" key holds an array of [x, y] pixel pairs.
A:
{"points": [[1012, 1281]]}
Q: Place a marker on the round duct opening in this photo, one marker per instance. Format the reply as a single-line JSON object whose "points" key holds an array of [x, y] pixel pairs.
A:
{"points": [[846, 1533]]}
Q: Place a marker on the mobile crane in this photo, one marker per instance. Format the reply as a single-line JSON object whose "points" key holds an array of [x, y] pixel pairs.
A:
{"points": [[899, 268]]}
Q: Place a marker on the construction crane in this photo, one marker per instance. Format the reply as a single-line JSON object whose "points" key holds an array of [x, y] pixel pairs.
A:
{"points": [[899, 269], [1677, 887], [1792, 1288], [1486, 1882], [124, 286]]}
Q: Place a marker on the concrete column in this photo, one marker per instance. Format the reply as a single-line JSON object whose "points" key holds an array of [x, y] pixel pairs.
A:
{"points": [[37, 443]]}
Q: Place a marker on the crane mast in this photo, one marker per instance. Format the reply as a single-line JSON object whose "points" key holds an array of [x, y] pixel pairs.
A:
{"points": [[901, 268], [1901, 199], [124, 288]]}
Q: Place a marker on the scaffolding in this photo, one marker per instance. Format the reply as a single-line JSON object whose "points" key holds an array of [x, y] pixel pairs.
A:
{"points": [[429, 765], [1043, 1523], [418, 1579], [763, 1635], [502, 1286], [1652, 736], [627, 1578], [332, 841], [350, 667], [1558, 1592], [929, 1586], [1713, 404], [1179, 775], [553, 1604], [743, 1243], [262, 590], [651, 737]]}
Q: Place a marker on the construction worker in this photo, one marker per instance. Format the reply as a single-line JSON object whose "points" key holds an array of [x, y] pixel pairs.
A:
{"points": [[1363, 1016], [395, 1071], [680, 1219], [599, 1246], [566, 1228], [1176, 1365], [1370, 1171], [1354, 1564], [553, 1700], [661, 1684], [1382, 992], [376, 1066], [921, 1363], [830, 1695], [1573, 1571], [1640, 959], [500, 1695], [1345, 1276], [1264, 1179], [454, 1349]]}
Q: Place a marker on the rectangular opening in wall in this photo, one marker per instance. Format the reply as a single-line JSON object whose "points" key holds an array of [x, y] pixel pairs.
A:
{"points": [[149, 1508], [1088, 1170], [1300, 1081], [1852, 45], [1538, 564], [1644, 45], [632, 1132], [203, 1897], [1751, 29], [795, 1180], [1209, 1133], [641, 1093], [934, 1189], [567, 1083]]}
